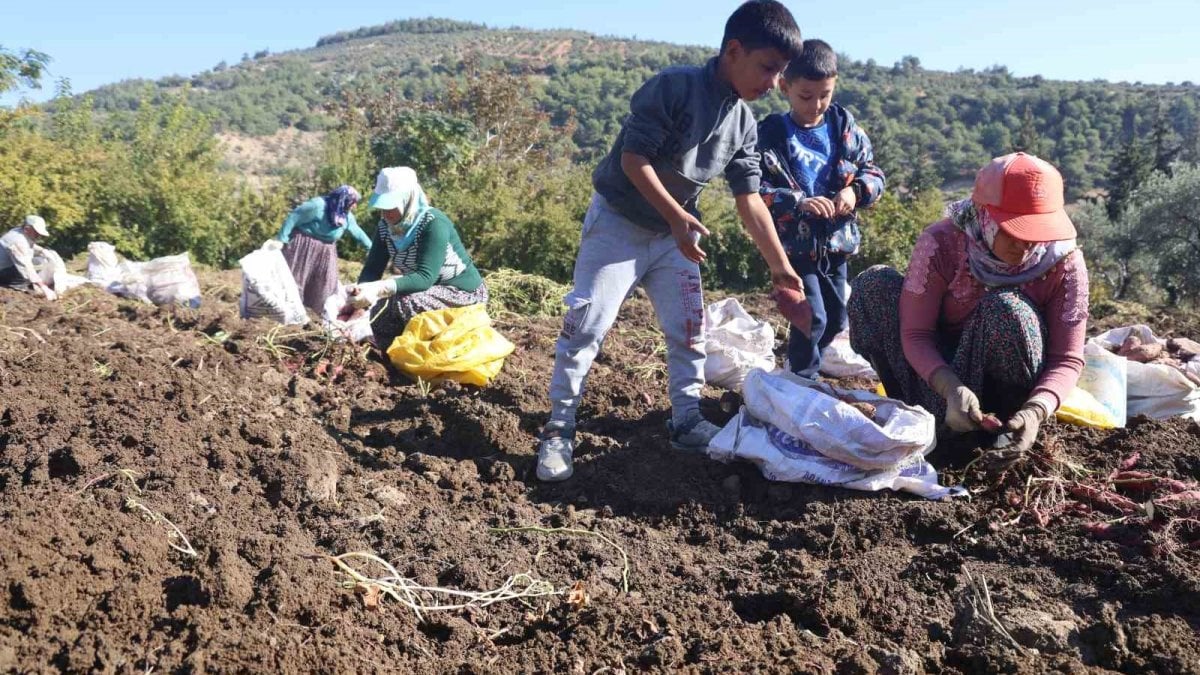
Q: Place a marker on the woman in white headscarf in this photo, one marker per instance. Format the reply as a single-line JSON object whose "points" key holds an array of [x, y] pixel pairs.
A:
{"points": [[417, 261]]}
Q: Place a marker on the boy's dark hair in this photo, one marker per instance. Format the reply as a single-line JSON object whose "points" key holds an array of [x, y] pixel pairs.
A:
{"points": [[818, 61], [763, 24]]}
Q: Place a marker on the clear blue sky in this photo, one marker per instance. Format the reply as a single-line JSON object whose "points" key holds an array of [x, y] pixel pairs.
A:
{"points": [[96, 42]]}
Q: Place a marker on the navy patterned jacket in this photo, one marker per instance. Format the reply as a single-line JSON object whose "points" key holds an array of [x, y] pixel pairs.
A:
{"points": [[853, 165]]}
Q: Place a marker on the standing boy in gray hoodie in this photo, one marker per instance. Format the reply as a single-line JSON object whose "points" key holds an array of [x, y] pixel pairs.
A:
{"points": [[686, 126]]}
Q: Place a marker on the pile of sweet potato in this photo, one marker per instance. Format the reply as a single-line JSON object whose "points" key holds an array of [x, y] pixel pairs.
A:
{"points": [[1176, 353]]}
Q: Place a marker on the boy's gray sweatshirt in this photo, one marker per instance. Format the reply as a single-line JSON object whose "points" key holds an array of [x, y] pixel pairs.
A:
{"points": [[691, 126]]}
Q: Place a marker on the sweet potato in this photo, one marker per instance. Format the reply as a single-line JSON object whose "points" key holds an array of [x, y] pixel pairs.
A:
{"points": [[991, 423], [1135, 481], [865, 408], [1144, 353], [1188, 496], [1177, 486], [1131, 341], [1104, 499], [1183, 348], [1112, 532]]}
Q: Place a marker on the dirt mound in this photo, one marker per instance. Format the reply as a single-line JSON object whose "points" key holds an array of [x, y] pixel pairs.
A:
{"points": [[173, 482]]}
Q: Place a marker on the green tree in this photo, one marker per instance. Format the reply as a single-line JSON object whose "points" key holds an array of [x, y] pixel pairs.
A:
{"points": [[167, 191], [1028, 139], [1166, 212], [1130, 169], [21, 68], [923, 176], [891, 227], [1117, 251], [733, 262], [1164, 150], [1189, 151]]}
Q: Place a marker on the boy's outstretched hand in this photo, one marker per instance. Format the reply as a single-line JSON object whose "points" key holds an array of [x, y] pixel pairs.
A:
{"points": [[844, 202], [687, 231], [794, 307], [787, 280]]}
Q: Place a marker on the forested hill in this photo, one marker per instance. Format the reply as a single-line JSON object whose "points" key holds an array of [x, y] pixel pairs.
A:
{"points": [[932, 126]]}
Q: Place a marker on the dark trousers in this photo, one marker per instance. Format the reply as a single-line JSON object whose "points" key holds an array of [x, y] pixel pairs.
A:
{"points": [[11, 277], [825, 286]]}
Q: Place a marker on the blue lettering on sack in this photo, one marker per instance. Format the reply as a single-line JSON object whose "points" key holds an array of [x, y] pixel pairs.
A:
{"points": [[795, 448]]}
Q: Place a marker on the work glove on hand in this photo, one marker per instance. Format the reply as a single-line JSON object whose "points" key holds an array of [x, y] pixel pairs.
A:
{"points": [[367, 293], [962, 405], [272, 245], [1024, 426], [1022, 430], [47, 292]]}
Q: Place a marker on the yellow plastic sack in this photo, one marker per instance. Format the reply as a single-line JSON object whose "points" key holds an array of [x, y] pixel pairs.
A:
{"points": [[457, 344], [1083, 409]]}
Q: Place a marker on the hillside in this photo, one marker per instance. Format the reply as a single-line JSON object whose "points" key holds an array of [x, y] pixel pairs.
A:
{"points": [[927, 125]]}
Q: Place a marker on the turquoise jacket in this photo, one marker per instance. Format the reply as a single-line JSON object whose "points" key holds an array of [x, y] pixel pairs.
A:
{"points": [[309, 218]]}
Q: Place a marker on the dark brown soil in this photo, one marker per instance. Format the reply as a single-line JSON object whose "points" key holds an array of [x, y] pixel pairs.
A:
{"points": [[266, 467]]}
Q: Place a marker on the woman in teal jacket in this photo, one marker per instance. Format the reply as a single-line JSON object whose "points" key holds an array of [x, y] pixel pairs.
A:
{"points": [[309, 239]]}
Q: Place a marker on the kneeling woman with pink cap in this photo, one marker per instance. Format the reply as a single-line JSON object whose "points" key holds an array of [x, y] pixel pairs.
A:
{"points": [[417, 261], [992, 312]]}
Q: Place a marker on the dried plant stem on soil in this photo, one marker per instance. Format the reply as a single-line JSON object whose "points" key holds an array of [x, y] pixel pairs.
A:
{"points": [[129, 474], [26, 332], [272, 342], [981, 601], [173, 531], [421, 599], [572, 531]]}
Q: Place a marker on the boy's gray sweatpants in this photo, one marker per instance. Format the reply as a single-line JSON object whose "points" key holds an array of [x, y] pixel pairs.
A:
{"points": [[615, 255]]}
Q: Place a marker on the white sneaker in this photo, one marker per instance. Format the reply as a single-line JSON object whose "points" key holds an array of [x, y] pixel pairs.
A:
{"points": [[554, 452], [694, 434]]}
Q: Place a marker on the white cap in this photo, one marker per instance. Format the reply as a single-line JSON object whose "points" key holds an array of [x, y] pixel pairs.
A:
{"points": [[38, 224], [393, 187]]}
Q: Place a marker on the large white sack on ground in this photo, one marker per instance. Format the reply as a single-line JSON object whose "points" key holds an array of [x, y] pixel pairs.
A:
{"points": [[354, 330], [735, 343], [1106, 377], [794, 430], [168, 280], [269, 289], [1156, 390], [103, 265], [839, 360], [53, 271]]}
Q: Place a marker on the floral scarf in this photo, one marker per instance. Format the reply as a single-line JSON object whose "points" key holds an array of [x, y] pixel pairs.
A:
{"points": [[338, 203], [981, 230]]}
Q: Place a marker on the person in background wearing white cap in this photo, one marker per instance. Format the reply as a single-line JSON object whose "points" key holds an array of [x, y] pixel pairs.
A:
{"points": [[17, 248], [417, 261], [992, 314]]}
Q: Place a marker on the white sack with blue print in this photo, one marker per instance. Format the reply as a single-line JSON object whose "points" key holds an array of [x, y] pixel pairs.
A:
{"points": [[800, 431]]}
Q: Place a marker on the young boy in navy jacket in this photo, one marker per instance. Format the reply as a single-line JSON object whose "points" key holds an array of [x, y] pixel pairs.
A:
{"points": [[818, 171]]}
